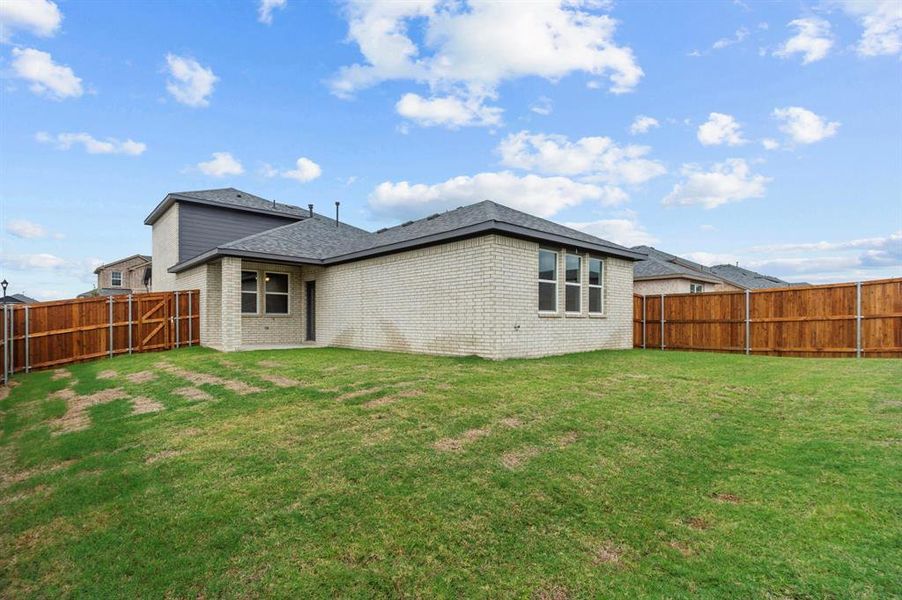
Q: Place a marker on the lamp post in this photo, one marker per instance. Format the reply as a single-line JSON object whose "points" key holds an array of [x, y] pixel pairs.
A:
{"points": [[4, 283]]}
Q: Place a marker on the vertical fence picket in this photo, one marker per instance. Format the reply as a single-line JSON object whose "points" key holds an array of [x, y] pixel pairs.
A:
{"points": [[190, 320], [111, 327], [662, 321], [858, 320], [178, 323], [644, 337], [27, 348], [748, 343], [129, 323]]}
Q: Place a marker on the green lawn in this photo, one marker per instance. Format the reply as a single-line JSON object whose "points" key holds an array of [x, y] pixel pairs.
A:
{"points": [[366, 474]]}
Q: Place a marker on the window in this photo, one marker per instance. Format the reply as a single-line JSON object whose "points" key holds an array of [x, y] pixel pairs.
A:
{"points": [[276, 293], [596, 286], [573, 288], [696, 288], [116, 278], [249, 292], [547, 281]]}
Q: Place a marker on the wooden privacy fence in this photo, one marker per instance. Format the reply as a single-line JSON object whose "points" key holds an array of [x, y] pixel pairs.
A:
{"points": [[845, 319], [49, 334]]}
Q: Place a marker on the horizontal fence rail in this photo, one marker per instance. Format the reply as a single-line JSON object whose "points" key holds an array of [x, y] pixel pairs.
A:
{"points": [[51, 334], [861, 319]]}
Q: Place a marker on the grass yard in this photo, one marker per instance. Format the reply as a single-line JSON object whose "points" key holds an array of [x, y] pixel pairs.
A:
{"points": [[326, 472]]}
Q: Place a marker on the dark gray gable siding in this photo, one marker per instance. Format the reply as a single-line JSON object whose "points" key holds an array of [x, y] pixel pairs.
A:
{"points": [[203, 227]]}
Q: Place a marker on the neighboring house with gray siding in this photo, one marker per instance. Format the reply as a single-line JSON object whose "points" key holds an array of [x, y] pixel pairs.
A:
{"points": [[663, 273], [483, 279]]}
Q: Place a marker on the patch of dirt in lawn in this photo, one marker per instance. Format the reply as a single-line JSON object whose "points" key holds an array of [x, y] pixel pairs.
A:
{"points": [[554, 592], [681, 547], [728, 498], [192, 393], [567, 439], [517, 458], [385, 400], [38, 490], [607, 554], [107, 374], [142, 405], [512, 422], [162, 456], [443, 386], [358, 393], [458, 443], [697, 523], [198, 378], [19, 476], [4, 392], [61, 374], [271, 364], [280, 380], [141, 377], [76, 417]]}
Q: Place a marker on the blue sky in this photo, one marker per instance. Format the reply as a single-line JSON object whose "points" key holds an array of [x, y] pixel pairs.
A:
{"points": [[764, 133]]}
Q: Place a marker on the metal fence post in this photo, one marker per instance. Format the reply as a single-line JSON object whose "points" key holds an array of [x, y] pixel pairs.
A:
{"points": [[643, 321], [129, 323], [748, 342], [662, 321], [190, 320], [178, 324], [5, 345], [12, 340], [858, 320], [111, 327], [27, 353]]}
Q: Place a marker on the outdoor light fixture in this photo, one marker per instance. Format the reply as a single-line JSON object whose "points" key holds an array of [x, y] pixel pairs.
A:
{"points": [[4, 283]]}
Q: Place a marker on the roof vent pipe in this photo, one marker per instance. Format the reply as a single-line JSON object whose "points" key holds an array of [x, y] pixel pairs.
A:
{"points": [[310, 208], [337, 203]]}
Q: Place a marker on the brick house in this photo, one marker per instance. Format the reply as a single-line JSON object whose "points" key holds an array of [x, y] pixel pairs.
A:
{"points": [[483, 279], [128, 275]]}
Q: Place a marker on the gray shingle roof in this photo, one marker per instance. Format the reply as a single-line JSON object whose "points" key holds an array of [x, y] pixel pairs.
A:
{"points": [[229, 198], [747, 279], [661, 265], [318, 240]]}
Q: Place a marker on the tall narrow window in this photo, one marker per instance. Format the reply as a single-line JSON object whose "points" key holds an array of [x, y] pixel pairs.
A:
{"points": [[116, 278], [573, 287], [276, 288], [547, 281], [596, 286], [249, 292]]}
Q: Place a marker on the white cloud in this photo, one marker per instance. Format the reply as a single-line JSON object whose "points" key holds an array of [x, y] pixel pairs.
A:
{"points": [[595, 158], [882, 23], [92, 145], [642, 124], [720, 129], [712, 258], [542, 106], [892, 241], [190, 83], [770, 144], [39, 17], [737, 38], [803, 126], [305, 170], [729, 181], [25, 262], [625, 232], [47, 78], [221, 165], [449, 111], [26, 230], [812, 40], [264, 11], [542, 196], [466, 50]]}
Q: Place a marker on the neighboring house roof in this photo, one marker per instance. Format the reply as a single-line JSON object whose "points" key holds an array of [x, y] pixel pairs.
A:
{"points": [[145, 257], [17, 299], [747, 279], [661, 265], [105, 292], [227, 198], [317, 240]]}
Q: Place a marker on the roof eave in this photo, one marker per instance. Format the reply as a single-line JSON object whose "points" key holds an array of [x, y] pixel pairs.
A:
{"points": [[688, 276], [171, 199]]}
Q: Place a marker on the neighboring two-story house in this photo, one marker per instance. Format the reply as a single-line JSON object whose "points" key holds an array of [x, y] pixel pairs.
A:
{"points": [[483, 279], [129, 275]]}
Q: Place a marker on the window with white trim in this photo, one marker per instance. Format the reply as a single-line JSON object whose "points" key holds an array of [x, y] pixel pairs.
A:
{"points": [[596, 286], [275, 287], [696, 288], [547, 281], [572, 282], [116, 278], [249, 292]]}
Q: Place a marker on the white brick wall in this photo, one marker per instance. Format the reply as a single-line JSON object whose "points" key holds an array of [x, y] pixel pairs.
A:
{"points": [[678, 285], [165, 248], [274, 329]]}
